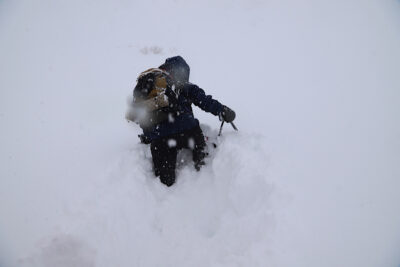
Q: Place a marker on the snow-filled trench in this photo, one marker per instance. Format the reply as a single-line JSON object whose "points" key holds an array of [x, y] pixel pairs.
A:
{"points": [[220, 216]]}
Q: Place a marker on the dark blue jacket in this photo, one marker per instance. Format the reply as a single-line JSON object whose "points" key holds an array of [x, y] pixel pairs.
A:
{"points": [[183, 119]]}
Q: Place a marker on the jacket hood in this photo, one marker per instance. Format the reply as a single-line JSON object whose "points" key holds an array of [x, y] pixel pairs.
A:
{"points": [[177, 68]]}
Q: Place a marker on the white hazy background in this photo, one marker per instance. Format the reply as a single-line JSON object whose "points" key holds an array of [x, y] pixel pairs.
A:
{"points": [[311, 179]]}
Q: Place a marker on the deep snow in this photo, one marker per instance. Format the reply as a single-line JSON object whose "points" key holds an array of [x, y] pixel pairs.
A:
{"points": [[311, 178]]}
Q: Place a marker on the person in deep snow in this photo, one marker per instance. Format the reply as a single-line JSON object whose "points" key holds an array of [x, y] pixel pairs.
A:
{"points": [[162, 107]]}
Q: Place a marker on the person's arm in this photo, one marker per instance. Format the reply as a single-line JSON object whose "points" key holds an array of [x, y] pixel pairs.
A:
{"points": [[203, 101], [208, 104]]}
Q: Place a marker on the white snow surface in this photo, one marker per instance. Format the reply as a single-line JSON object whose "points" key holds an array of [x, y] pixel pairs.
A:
{"points": [[311, 179]]}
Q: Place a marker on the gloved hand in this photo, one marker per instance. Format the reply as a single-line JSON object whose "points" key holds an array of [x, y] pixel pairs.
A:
{"points": [[227, 114]]}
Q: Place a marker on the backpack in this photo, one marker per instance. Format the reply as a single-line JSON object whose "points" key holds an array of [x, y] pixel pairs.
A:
{"points": [[153, 98], [154, 89]]}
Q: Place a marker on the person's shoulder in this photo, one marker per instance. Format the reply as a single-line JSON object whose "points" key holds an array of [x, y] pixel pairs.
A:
{"points": [[188, 89], [190, 86]]}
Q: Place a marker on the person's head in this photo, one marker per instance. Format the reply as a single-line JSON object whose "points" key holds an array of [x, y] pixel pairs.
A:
{"points": [[177, 68]]}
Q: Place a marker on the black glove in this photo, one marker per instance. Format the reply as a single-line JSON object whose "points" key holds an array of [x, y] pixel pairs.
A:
{"points": [[144, 139], [228, 114]]}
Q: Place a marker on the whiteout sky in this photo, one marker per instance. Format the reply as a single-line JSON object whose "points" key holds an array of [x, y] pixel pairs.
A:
{"points": [[312, 178]]}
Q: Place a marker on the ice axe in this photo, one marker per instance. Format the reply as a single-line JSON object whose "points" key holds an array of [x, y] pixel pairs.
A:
{"points": [[222, 125]]}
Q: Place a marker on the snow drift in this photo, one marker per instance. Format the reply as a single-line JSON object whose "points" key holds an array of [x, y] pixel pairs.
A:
{"points": [[311, 178]]}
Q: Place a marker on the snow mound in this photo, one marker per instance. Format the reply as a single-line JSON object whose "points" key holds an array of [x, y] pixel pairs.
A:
{"points": [[219, 216]]}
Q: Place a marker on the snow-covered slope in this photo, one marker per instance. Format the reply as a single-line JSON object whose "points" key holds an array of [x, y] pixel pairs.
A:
{"points": [[311, 178]]}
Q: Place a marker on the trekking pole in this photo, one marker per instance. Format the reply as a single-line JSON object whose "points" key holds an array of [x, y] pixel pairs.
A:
{"points": [[222, 124], [234, 126], [220, 128]]}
